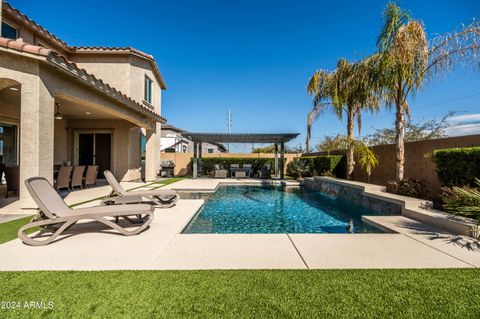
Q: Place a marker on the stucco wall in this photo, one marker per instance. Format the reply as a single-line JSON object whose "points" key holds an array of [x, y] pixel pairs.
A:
{"points": [[417, 166], [181, 160]]}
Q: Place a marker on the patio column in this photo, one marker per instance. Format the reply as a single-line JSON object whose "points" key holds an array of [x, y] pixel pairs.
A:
{"points": [[36, 133], [152, 153], [200, 166], [194, 164], [282, 161], [276, 159]]}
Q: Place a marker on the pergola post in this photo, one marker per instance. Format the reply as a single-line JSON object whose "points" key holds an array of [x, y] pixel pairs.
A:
{"points": [[276, 159], [282, 161], [194, 168], [200, 164]]}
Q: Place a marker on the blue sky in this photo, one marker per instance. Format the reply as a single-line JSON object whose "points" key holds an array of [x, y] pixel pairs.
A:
{"points": [[256, 56]]}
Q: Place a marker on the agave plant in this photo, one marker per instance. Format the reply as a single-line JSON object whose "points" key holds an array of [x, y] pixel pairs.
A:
{"points": [[298, 168]]}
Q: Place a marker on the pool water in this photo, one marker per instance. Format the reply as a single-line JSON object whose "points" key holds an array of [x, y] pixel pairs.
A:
{"points": [[274, 210]]}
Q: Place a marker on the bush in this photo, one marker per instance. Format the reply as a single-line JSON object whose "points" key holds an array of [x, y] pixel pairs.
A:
{"points": [[257, 163], [299, 167], [409, 187], [322, 165], [464, 201], [457, 166]]}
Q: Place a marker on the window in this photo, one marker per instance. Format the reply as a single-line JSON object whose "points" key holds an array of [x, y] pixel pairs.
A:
{"points": [[209, 150], [148, 90], [9, 32]]}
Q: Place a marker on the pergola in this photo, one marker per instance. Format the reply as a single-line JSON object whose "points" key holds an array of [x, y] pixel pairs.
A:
{"points": [[278, 139]]}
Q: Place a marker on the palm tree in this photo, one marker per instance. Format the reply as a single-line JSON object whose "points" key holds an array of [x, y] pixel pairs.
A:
{"points": [[405, 59], [347, 89]]}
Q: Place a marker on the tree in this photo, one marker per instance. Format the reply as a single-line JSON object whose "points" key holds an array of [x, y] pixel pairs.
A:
{"points": [[405, 59], [366, 157], [331, 143], [420, 131], [348, 89]]}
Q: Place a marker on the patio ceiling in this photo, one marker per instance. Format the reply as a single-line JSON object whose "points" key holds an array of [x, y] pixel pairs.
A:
{"points": [[240, 137]]}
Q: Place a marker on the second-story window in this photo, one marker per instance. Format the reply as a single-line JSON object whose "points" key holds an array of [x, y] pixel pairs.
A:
{"points": [[9, 32], [148, 90]]}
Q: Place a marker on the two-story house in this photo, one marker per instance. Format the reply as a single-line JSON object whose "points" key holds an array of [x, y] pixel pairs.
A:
{"points": [[75, 105], [174, 141]]}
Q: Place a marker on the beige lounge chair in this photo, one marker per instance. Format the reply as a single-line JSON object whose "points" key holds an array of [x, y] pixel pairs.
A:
{"points": [[56, 217], [162, 198], [77, 177]]}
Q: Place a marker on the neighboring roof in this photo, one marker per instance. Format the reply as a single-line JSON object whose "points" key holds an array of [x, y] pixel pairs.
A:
{"points": [[58, 61], [240, 137], [83, 49], [184, 133]]}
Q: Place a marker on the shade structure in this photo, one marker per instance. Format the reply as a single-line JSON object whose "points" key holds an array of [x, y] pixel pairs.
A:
{"points": [[272, 138], [200, 137]]}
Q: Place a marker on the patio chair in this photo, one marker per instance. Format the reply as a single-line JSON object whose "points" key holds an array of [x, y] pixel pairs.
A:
{"points": [[56, 217], [162, 198], [219, 171], [2, 167], [77, 177], [91, 175], [265, 172], [63, 178], [233, 169], [12, 179], [248, 169]]}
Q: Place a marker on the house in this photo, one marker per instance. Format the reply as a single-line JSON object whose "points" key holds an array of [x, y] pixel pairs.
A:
{"points": [[173, 141], [76, 105]]}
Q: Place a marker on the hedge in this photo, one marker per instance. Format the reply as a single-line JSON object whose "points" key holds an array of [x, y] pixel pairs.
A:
{"points": [[324, 164], [457, 166], [257, 163]]}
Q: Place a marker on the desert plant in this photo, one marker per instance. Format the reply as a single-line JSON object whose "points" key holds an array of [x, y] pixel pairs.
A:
{"points": [[463, 201], [298, 168], [409, 187]]}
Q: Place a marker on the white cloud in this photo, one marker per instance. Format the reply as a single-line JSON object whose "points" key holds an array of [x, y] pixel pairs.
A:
{"points": [[463, 129], [465, 118]]}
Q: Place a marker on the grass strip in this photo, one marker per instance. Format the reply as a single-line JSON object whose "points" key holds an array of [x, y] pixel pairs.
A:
{"points": [[427, 293]]}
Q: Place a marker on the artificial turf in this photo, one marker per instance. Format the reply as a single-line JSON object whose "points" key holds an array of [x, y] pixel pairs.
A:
{"points": [[445, 293]]}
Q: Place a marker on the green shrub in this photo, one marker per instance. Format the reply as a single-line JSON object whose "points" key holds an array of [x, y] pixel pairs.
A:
{"points": [[457, 166], [409, 187], [321, 165], [299, 167], [257, 163]]}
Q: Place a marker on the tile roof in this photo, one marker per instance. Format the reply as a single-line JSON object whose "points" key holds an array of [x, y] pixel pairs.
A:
{"points": [[82, 49], [73, 69]]}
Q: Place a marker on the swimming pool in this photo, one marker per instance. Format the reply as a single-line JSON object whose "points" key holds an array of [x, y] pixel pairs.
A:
{"points": [[274, 210]]}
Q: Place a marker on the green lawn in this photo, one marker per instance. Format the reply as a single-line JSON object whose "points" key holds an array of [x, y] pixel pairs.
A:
{"points": [[453, 293], [8, 230]]}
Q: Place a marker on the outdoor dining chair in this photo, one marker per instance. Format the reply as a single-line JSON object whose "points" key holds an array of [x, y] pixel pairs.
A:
{"points": [[12, 178], [77, 177], [63, 178], [91, 175]]}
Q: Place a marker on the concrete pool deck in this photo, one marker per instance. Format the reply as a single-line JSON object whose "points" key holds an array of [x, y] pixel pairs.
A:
{"points": [[162, 246]]}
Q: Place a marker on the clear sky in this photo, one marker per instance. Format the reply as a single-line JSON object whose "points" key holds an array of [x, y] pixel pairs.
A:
{"points": [[256, 56]]}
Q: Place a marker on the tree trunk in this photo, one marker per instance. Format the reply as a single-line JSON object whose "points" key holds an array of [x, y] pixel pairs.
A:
{"points": [[400, 140], [350, 150]]}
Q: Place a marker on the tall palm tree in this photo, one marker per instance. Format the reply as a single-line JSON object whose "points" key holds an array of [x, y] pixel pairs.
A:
{"points": [[405, 59], [348, 90]]}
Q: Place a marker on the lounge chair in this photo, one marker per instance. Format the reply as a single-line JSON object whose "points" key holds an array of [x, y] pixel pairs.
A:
{"points": [[91, 175], [265, 172], [63, 178], [56, 217], [219, 171], [77, 177], [162, 198]]}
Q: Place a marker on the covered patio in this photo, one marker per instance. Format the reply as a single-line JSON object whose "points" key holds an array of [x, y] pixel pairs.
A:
{"points": [[277, 139]]}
